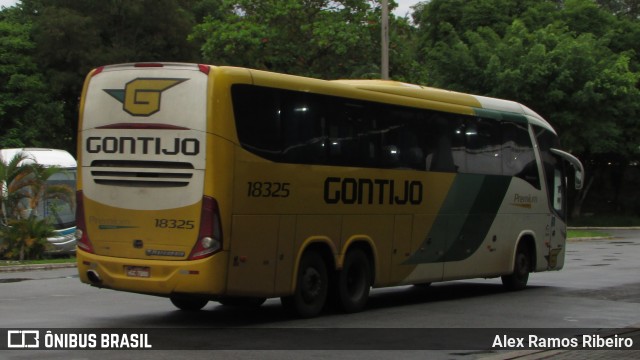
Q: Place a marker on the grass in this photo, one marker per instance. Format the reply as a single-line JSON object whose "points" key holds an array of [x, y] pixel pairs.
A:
{"points": [[572, 234], [606, 220], [57, 260]]}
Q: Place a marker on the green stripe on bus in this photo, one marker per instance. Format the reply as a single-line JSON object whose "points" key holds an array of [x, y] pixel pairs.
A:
{"points": [[500, 115], [464, 219], [479, 218]]}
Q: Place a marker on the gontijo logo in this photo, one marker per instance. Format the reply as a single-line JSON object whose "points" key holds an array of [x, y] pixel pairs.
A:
{"points": [[141, 96]]}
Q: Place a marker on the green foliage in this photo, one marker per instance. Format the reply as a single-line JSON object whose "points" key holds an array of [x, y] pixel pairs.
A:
{"points": [[29, 115], [48, 46], [12, 179], [23, 233], [318, 38], [623, 8], [575, 62], [25, 238], [563, 68]]}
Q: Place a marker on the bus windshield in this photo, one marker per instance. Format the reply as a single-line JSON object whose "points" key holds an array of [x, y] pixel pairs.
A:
{"points": [[52, 201], [58, 206]]}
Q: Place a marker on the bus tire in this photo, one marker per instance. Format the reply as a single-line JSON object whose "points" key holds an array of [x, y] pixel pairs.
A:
{"points": [[521, 268], [188, 303], [353, 282], [312, 286], [242, 301]]}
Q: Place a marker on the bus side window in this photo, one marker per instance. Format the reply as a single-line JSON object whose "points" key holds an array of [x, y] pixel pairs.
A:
{"points": [[401, 136], [351, 138], [259, 126], [445, 147], [302, 128], [518, 158], [483, 143]]}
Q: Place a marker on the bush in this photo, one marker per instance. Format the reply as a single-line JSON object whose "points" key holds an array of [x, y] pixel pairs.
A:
{"points": [[25, 239]]}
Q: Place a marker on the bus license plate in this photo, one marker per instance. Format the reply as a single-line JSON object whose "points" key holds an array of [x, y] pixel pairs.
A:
{"points": [[138, 271]]}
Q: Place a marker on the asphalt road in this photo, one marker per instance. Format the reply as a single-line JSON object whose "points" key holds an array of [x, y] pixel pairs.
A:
{"points": [[598, 288]]}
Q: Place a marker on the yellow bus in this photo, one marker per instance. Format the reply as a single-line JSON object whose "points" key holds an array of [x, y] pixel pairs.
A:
{"points": [[202, 183]]}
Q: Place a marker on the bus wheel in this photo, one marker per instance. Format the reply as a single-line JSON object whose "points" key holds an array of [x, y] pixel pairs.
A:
{"points": [[242, 301], [522, 265], [353, 282], [188, 303], [311, 288]]}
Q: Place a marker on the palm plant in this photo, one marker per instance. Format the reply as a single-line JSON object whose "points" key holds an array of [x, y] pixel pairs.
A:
{"points": [[40, 190], [13, 175], [23, 233], [26, 238]]}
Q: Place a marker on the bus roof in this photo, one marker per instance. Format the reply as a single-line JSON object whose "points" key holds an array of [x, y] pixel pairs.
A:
{"points": [[42, 156], [451, 97], [479, 105]]}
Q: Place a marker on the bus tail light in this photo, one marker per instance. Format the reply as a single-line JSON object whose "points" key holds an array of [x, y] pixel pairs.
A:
{"points": [[210, 235], [97, 71], [82, 238], [205, 69]]}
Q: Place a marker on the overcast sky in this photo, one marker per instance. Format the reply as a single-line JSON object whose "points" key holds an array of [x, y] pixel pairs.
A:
{"points": [[404, 6], [7, 3]]}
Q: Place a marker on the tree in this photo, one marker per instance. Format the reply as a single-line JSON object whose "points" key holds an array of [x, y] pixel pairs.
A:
{"points": [[24, 232], [12, 174], [571, 68], [62, 40], [25, 238], [48, 47], [29, 114], [625, 8], [316, 38]]}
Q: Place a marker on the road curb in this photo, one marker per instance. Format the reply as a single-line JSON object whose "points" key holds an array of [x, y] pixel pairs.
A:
{"points": [[603, 227], [19, 268], [578, 239]]}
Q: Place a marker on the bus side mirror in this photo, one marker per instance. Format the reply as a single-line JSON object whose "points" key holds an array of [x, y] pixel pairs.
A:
{"points": [[578, 179], [577, 165]]}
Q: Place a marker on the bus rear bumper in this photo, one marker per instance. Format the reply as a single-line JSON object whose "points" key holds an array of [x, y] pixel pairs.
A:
{"points": [[155, 277]]}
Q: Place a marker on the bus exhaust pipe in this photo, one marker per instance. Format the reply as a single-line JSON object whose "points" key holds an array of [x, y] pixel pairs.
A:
{"points": [[94, 277]]}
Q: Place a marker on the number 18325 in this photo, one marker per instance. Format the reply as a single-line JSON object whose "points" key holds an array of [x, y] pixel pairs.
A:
{"points": [[268, 189]]}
